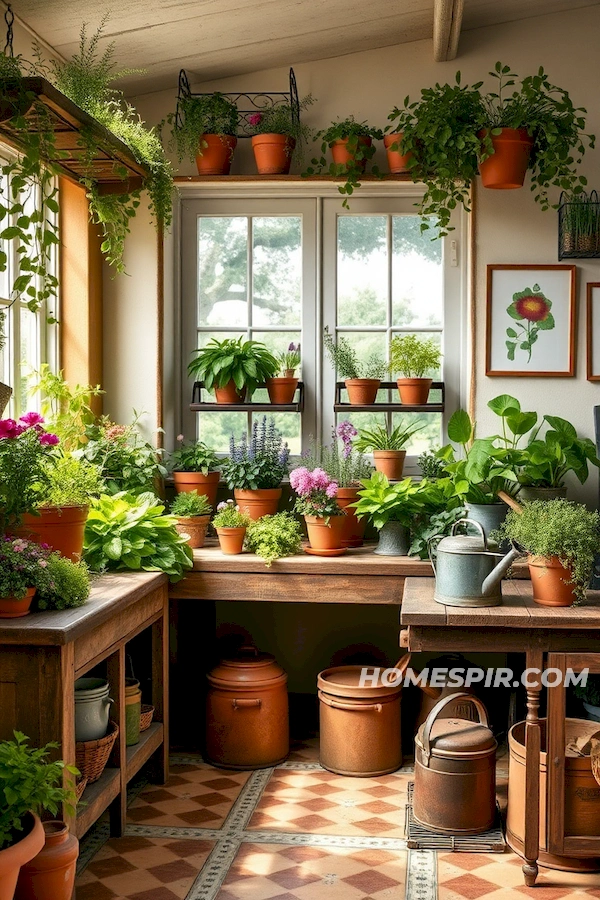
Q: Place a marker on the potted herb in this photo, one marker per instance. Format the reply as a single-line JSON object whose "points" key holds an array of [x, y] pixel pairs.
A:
{"points": [[387, 447], [234, 367], [316, 501], [579, 224], [362, 379], [590, 696], [561, 539], [414, 358], [19, 567], [274, 536], [282, 387], [276, 134], [391, 508], [206, 131], [398, 160], [256, 467], [351, 145], [192, 511], [63, 585], [24, 448], [231, 525], [346, 466], [29, 784], [126, 461], [195, 468]]}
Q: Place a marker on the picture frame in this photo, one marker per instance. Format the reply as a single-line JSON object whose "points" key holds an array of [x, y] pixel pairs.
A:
{"points": [[593, 330], [531, 321]]}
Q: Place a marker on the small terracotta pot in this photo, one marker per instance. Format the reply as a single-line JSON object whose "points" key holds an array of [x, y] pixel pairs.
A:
{"points": [[51, 874], [195, 528], [217, 155], [397, 161], [342, 157], [62, 527], [354, 528], [548, 576], [258, 503], [11, 608], [229, 393], [362, 391], [324, 536], [186, 482], [390, 462], [282, 390], [31, 841], [231, 540], [505, 169], [273, 153], [414, 391]]}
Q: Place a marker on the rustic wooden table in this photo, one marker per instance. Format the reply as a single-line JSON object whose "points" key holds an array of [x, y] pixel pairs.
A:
{"points": [[556, 637]]}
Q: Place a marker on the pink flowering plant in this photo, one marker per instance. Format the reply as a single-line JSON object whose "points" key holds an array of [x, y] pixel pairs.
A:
{"points": [[59, 583], [316, 491], [25, 447], [229, 516]]}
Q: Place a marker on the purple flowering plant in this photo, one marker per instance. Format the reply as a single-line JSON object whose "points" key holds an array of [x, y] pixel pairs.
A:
{"points": [[341, 460], [59, 583], [259, 463], [316, 491], [25, 447], [289, 360]]}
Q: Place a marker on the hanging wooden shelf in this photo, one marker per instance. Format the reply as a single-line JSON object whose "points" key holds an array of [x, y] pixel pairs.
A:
{"points": [[67, 122], [197, 405], [395, 406]]}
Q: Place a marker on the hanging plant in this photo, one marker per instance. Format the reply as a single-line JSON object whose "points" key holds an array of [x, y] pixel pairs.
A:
{"points": [[351, 145]]}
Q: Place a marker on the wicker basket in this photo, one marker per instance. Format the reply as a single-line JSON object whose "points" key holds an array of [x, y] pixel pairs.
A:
{"points": [[146, 717], [80, 787], [91, 756], [595, 754]]}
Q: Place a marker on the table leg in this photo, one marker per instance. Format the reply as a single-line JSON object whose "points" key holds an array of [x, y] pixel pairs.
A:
{"points": [[534, 660]]}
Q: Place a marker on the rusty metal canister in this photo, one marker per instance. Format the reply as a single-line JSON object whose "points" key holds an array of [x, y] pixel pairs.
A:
{"points": [[247, 713], [359, 726], [455, 772]]}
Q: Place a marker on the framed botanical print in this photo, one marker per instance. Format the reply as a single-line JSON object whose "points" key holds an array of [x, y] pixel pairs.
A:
{"points": [[530, 328], [593, 331]]}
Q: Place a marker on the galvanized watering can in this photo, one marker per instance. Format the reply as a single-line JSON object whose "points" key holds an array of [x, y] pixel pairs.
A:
{"points": [[466, 572]]}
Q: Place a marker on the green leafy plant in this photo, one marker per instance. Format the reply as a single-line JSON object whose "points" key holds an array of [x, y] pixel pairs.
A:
{"points": [[66, 409], [190, 504], [383, 502], [261, 462], [344, 359], [590, 693], [380, 437], [485, 467], [281, 119], [194, 457], [433, 463], [579, 223], [246, 363], [272, 537], [126, 462], [229, 516], [70, 481], [441, 508], [558, 528], [207, 114], [29, 780], [130, 532], [360, 151], [414, 357], [67, 585]]}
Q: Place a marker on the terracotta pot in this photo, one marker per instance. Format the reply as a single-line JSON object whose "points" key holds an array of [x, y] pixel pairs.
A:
{"points": [[281, 390], [342, 157], [325, 536], [51, 874], [216, 157], [62, 527], [505, 169], [390, 462], [229, 393], [354, 528], [414, 391], [247, 718], [397, 161], [548, 577], [195, 528], [11, 608], [258, 503], [231, 540], [362, 391], [186, 482], [273, 153], [13, 857]]}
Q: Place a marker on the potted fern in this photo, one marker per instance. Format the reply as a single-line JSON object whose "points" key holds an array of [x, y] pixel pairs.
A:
{"points": [[414, 358], [277, 134], [205, 130], [192, 512], [387, 446], [362, 379], [351, 146]]}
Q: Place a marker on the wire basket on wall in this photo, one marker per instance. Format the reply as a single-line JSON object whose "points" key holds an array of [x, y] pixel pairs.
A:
{"points": [[579, 226]]}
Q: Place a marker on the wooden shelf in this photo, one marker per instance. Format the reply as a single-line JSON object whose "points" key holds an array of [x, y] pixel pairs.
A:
{"points": [[97, 797], [140, 753], [225, 179], [345, 407], [248, 406]]}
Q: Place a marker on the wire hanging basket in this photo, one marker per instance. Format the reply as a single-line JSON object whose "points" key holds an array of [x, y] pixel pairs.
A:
{"points": [[579, 226]]}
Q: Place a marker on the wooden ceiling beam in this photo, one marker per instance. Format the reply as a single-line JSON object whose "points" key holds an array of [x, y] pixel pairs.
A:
{"points": [[447, 22]]}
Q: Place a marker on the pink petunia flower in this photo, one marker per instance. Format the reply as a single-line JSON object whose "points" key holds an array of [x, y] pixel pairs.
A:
{"points": [[255, 119], [48, 439], [10, 429], [31, 418]]}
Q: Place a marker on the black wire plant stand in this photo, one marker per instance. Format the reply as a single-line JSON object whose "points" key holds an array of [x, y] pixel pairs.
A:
{"points": [[248, 102], [579, 226]]}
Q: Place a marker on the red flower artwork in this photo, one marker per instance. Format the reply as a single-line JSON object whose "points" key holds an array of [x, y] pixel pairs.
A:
{"points": [[532, 307]]}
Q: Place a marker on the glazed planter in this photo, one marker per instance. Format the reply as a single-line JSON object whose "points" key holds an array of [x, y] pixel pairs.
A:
{"points": [[229, 393], [397, 161], [61, 527], [505, 169], [529, 492], [216, 157], [195, 529], [342, 157], [324, 536], [18, 854], [281, 390], [390, 462], [231, 540], [51, 874], [354, 528], [548, 576], [362, 391], [14, 608], [414, 391], [393, 540], [92, 708], [258, 503], [133, 711], [185, 482], [273, 153]]}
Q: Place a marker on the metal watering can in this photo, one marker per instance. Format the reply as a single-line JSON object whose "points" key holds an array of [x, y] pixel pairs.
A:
{"points": [[466, 572]]}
